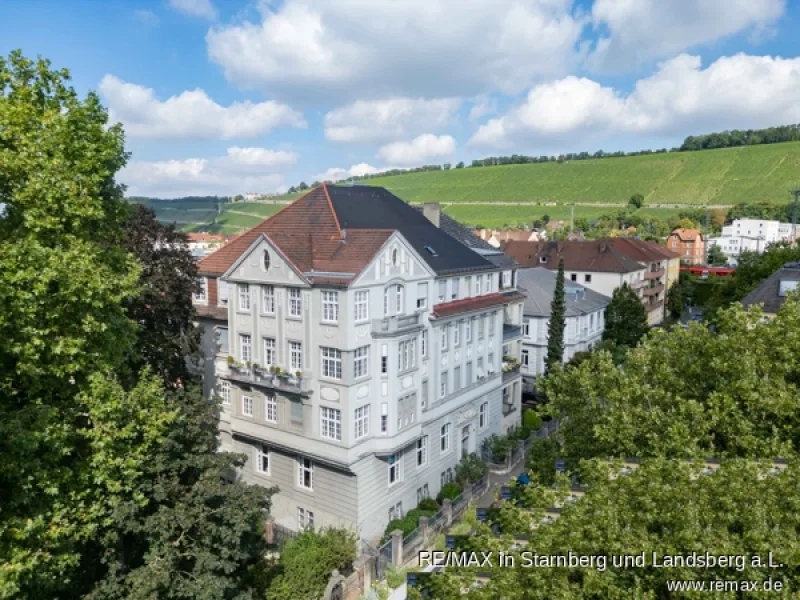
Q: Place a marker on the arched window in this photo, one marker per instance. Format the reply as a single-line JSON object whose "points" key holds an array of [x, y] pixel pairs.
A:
{"points": [[395, 257]]}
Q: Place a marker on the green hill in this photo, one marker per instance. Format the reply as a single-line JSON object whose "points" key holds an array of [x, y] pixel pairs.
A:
{"points": [[710, 177], [510, 195]]}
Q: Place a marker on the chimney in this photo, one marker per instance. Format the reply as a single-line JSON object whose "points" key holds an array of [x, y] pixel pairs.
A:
{"points": [[432, 210]]}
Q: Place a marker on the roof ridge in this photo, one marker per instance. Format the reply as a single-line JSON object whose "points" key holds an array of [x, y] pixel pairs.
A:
{"points": [[324, 187]]}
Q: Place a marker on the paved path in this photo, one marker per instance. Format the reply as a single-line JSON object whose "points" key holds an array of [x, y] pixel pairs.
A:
{"points": [[496, 481]]}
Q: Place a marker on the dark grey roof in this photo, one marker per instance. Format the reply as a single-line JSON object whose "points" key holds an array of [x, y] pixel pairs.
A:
{"points": [[465, 235], [367, 207], [767, 292], [540, 285]]}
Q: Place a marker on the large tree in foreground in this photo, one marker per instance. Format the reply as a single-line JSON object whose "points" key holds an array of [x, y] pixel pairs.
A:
{"points": [[110, 485], [626, 319], [555, 327]]}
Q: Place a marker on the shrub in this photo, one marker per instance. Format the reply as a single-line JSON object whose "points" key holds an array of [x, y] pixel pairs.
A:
{"points": [[531, 419], [411, 521], [497, 447], [470, 469], [395, 577], [429, 504], [450, 490]]}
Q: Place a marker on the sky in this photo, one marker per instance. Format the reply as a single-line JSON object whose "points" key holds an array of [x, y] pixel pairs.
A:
{"points": [[236, 96]]}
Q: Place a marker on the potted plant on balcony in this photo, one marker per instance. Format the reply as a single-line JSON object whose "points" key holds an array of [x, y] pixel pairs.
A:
{"points": [[294, 379], [231, 361], [258, 371]]}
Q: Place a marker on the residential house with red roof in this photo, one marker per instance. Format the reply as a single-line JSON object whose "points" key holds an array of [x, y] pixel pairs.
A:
{"points": [[358, 346], [690, 244]]}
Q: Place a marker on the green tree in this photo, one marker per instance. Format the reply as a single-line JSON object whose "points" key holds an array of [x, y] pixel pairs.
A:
{"points": [[716, 256], [626, 320], [163, 310], [555, 327], [470, 469], [679, 295], [306, 563], [460, 165], [636, 201]]}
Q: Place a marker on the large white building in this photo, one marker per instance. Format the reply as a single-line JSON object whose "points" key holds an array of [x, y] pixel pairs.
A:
{"points": [[388, 326], [584, 319], [753, 235]]}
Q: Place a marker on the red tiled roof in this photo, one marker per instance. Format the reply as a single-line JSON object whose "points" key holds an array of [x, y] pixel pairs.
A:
{"points": [[307, 232], [447, 309], [687, 235], [599, 256], [205, 237], [643, 251]]}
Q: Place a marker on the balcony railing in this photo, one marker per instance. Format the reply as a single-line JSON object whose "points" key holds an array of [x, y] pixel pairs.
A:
{"points": [[510, 368], [396, 324], [654, 306], [655, 274], [653, 291], [511, 332], [274, 379]]}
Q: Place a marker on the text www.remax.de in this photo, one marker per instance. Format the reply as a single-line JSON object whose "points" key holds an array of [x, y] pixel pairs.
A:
{"points": [[766, 585]]}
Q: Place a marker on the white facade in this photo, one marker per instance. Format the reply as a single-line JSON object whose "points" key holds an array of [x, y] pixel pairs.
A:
{"points": [[382, 398], [606, 283], [752, 235], [581, 334]]}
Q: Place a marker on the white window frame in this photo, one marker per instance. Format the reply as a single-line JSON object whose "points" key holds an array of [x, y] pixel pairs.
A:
{"points": [[478, 280], [296, 355], [225, 392], [506, 279], [270, 352], [424, 343], [456, 333], [442, 291], [444, 439], [384, 418], [247, 404], [454, 286], [386, 302], [422, 452], [406, 355], [422, 295], [330, 306], [443, 385], [481, 327], [525, 358], [268, 299], [444, 334], [398, 299], [330, 423], [262, 452], [526, 328], [483, 416], [222, 292], [361, 362], [395, 470], [361, 422], [270, 408], [295, 302], [361, 306], [244, 297], [305, 519], [305, 466], [201, 297], [246, 347], [331, 363], [468, 330]]}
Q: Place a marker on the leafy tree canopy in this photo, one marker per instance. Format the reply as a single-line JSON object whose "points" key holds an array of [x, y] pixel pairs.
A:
{"points": [[626, 320]]}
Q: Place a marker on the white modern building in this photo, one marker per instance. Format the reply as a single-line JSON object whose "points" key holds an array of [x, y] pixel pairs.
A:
{"points": [[361, 356], [584, 319], [752, 235]]}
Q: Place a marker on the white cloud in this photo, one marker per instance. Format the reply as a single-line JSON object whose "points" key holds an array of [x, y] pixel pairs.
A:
{"points": [[432, 48], [337, 173], [679, 99], [384, 120], [191, 115], [482, 106], [241, 169], [195, 8], [640, 30], [146, 17], [417, 151]]}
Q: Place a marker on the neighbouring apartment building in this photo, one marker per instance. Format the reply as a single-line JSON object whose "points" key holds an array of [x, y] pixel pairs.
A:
{"points": [[584, 319], [365, 349], [201, 244], [690, 244], [752, 235], [604, 265]]}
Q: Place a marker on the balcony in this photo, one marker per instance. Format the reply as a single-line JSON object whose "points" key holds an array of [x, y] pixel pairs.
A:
{"points": [[510, 368], [655, 274], [654, 306], [396, 325], [654, 290], [273, 378], [511, 332]]}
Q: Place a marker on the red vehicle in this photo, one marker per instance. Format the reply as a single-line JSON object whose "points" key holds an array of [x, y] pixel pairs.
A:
{"points": [[706, 272]]}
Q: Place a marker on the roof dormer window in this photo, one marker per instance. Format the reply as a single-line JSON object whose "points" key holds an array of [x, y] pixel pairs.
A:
{"points": [[542, 260]]}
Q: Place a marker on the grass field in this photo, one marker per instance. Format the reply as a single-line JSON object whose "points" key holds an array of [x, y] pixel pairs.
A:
{"points": [[489, 195]]}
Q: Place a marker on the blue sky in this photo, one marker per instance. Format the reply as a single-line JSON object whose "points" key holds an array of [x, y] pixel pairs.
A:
{"points": [[241, 96]]}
